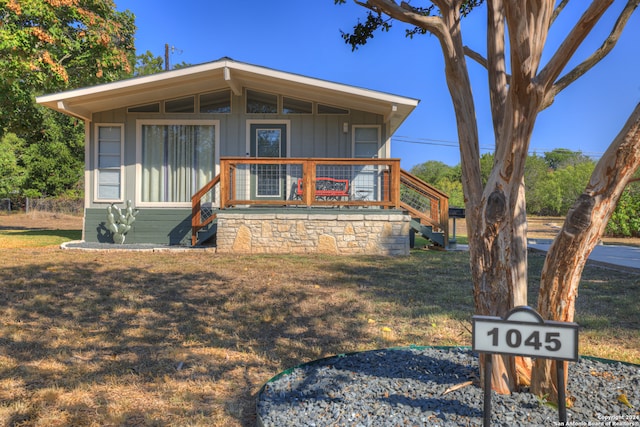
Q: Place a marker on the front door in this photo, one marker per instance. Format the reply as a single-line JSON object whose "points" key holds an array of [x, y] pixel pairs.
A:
{"points": [[268, 181]]}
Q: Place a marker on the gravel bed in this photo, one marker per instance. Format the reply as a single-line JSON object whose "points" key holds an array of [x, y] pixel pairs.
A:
{"points": [[408, 387]]}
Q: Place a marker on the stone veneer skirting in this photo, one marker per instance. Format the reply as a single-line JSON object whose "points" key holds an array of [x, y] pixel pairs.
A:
{"points": [[342, 233]]}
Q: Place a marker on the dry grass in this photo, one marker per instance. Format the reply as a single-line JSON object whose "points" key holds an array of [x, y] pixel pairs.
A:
{"points": [[187, 339]]}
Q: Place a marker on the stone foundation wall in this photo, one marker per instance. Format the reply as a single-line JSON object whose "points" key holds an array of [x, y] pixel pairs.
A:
{"points": [[327, 233]]}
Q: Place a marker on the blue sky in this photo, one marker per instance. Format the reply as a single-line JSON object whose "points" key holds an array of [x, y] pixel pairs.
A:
{"points": [[303, 36]]}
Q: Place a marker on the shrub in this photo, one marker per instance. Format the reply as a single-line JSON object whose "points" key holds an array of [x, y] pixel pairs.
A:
{"points": [[625, 221]]}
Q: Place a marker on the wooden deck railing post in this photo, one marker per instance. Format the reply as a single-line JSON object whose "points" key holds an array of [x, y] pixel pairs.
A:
{"points": [[444, 219], [308, 182], [196, 219], [224, 182], [395, 183]]}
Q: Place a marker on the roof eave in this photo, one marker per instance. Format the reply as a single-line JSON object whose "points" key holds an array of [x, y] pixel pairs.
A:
{"points": [[84, 102]]}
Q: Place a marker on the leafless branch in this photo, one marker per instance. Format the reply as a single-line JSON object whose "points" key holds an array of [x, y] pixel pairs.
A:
{"points": [[496, 63], [476, 56], [574, 39], [595, 57], [558, 10]]}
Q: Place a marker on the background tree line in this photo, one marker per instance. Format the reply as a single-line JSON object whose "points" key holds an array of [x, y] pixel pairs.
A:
{"points": [[553, 182]]}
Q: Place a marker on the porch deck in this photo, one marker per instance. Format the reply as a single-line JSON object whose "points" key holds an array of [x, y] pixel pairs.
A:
{"points": [[346, 184]]}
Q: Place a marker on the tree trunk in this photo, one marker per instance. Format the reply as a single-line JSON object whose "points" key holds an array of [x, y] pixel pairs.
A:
{"points": [[498, 245], [498, 249], [583, 227], [496, 215]]}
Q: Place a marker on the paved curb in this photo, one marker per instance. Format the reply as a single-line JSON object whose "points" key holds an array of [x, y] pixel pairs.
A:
{"points": [[81, 245]]}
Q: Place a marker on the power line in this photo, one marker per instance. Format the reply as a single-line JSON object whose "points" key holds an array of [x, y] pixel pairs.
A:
{"points": [[454, 144], [429, 141]]}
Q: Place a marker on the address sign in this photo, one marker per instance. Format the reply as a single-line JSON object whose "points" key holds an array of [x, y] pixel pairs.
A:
{"points": [[523, 332]]}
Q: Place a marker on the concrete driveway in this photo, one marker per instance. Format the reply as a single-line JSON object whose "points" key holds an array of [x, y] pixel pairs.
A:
{"points": [[625, 257]]}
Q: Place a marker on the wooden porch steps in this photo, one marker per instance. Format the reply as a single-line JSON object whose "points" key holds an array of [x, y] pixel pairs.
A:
{"points": [[206, 234], [427, 232]]}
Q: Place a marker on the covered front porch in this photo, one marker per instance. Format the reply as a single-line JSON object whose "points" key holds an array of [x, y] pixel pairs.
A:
{"points": [[346, 202]]}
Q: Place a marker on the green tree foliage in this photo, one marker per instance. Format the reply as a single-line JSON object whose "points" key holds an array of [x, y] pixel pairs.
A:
{"points": [[454, 190], [444, 177], [11, 173], [486, 164], [147, 64], [553, 181], [433, 171], [560, 157], [54, 165], [535, 173], [625, 221], [51, 45], [48, 46]]}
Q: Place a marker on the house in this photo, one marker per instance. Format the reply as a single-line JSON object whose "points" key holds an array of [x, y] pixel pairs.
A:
{"points": [[246, 154]]}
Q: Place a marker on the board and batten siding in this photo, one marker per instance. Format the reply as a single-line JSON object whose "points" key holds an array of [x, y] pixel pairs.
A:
{"points": [[316, 135], [311, 136]]}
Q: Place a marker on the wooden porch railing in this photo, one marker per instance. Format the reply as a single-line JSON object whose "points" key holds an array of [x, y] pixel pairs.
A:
{"points": [[351, 182], [371, 182], [197, 222], [425, 202]]}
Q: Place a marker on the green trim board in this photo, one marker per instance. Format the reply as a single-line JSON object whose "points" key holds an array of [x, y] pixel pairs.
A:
{"points": [[162, 226]]}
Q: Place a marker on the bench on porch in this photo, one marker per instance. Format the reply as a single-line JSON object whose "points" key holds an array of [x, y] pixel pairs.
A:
{"points": [[328, 188]]}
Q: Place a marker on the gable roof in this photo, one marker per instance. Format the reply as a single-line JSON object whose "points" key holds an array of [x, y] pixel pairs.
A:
{"points": [[226, 73]]}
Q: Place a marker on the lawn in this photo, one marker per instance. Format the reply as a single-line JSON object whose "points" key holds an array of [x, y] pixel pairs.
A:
{"points": [[188, 339]]}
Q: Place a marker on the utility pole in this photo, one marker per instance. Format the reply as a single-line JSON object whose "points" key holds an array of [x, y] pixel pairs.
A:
{"points": [[166, 56]]}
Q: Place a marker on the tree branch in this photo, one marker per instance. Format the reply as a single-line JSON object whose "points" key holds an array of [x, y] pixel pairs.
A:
{"points": [[496, 65], [595, 57], [446, 28], [528, 25], [481, 60], [565, 52], [406, 13], [558, 10], [476, 56]]}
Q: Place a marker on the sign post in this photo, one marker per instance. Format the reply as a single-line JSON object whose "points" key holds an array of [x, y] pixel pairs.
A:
{"points": [[523, 332]]}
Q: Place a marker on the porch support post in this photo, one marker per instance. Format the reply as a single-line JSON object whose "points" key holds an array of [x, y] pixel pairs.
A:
{"points": [[224, 182], [308, 182], [444, 218], [395, 183]]}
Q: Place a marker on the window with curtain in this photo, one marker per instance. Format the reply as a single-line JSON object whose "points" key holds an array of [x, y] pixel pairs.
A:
{"points": [[109, 162], [177, 160]]}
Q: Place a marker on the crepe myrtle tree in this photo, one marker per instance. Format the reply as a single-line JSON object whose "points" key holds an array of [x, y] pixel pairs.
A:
{"points": [[520, 87]]}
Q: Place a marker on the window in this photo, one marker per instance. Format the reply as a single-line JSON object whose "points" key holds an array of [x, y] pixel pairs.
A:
{"points": [[260, 102], [296, 106], [182, 105], [328, 109], [176, 159], [148, 108], [216, 102], [366, 141], [109, 162]]}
